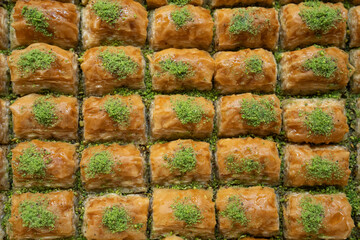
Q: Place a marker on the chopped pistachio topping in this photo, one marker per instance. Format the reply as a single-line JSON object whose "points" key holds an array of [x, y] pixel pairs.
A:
{"points": [[242, 21], [35, 215], [36, 59], [187, 110], [254, 64], [183, 160], [241, 165], [312, 215], [181, 17], [320, 17], [179, 2], [44, 111], [118, 63], [187, 212], [37, 19], [319, 122], [117, 110], [107, 11], [179, 69], [116, 219], [323, 169], [100, 163], [33, 161], [235, 211], [257, 112], [322, 65]]}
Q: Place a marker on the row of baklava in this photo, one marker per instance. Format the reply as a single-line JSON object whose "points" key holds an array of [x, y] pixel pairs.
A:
{"points": [[187, 213]]}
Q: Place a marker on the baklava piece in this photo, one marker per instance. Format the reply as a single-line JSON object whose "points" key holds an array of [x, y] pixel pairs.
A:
{"points": [[43, 67], [251, 211], [315, 120], [354, 26], [314, 70], [159, 3], [234, 3], [117, 217], [248, 114], [181, 116], [4, 39], [45, 117], [252, 27], [181, 69], [120, 22], [44, 164], [3, 74], [313, 22], [179, 162], [355, 79], [248, 161], [322, 216], [188, 213], [173, 237], [4, 121], [42, 216], [245, 71], [44, 21], [108, 68], [4, 168], [114, 118], [181, 27]]}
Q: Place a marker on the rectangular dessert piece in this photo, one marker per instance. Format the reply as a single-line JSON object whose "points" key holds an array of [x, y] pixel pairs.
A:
{"points": [[4, 121], [115, 166], [108, 68], [315, 120], [234, 3], [114, 21], [44, 164], [4, 29], [248, 161], [114, 118], [42, 216], [159, 3], [181, 27], [44, 21], [245, 71], [45, 117], [181, 69], [306, 165], [354, 26], [355, 79], [181, 116], [4, 169], [313, 22], [43, 67], [248, 114], [189, 213], [251, 27], [321, 216], [251, 211], [3, 74], [314, 70], [111, 217]]}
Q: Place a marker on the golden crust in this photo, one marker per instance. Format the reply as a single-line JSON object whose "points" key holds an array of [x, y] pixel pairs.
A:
{"points": [[354, 26], [3, 74], [4, 175], [4, 39], [4, 121], [355, 79], [159, 3]]}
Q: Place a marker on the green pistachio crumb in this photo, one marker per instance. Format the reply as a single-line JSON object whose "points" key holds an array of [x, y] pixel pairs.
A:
{"points": [[100, 163], [117, 110], [108, 11], [179, 69], [257, 112], [235, 211], [312, 215], [183, 160], [181, 17], [44, 111], [254, 64], [35, 215], [319, 168], [319, 123], [33, 161], [35, 59], [118, 63], [241, 165], [242, 21], [116, 219], [322, 65], [187, 212], [37, 19], [179, 2], [187, 110]]}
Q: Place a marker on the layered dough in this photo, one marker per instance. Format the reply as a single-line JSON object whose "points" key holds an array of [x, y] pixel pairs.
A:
{"points": [[136, 207], [128, 29], [232, 74], [165, 222], [60, 77], [3, 74], [62, 18], [64, 127], [296, 79], [195, 33], [355, 79], [99, 81], [127, 169], [296, 112], [159, 3], [264, 27], [233, 3], [295, 32], [4, 30], [259, 205], [231, 152], [60, 203], [4, 121], [336, 224], [4, 175], [60, 160], [199, 64], [354, 26]]}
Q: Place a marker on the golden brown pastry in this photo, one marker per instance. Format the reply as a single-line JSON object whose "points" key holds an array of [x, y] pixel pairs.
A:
{"points": [[312, 70], [44, 164], [315, 120], [4, 29], [248, 161], [300, 26], [173, 237], [114, 118], [108, 68], [106, 22], [233, 3], [244, 71], [325, 216], [44, 21], [355, 79], [3, 74], [42, 216], [114, 166], [354, 26], [4, 175], [130, 213], [181, 116], [181, 27], [159, 3], [45, 117], [4, 121], [252, 27], [181, 69], [64, 1], [189, 213], [43, 67], [311, 166], [251, 210], [248, 114]]}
